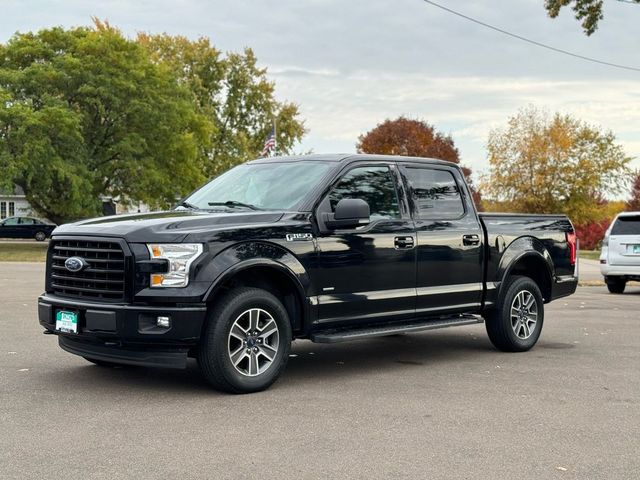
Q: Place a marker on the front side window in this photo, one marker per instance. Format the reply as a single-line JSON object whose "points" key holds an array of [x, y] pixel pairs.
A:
{"points": [[11, 221], [435, 193], [374, 185]]}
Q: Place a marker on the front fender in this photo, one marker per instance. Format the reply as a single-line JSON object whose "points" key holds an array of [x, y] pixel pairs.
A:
{"points": [[252, 254]]}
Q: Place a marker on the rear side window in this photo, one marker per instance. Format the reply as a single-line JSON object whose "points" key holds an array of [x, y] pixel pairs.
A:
{"points": [[435, 193], [626, 226]]}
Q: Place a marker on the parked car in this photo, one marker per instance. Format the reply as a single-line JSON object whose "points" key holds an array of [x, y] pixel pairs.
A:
{"points": [[328, 248], [25, 227], [620, 256]]}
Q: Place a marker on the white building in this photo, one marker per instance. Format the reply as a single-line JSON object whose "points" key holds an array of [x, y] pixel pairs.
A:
{"points": [[13, 203]]}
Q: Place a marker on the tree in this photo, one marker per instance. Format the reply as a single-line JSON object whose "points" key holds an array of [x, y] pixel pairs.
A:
{"points": [[634, 202], [413, 138], [587, 11], [231, 91], [558, 164], [85, 112]]}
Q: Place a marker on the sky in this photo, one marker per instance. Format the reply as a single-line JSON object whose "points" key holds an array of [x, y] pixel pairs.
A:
{"points": [[350, 64]]}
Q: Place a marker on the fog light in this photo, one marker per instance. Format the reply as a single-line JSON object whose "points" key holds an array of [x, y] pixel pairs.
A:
{"points": [[163, 322]]}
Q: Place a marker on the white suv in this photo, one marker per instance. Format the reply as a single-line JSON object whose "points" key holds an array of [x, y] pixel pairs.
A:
{"points": [[620, 257]]}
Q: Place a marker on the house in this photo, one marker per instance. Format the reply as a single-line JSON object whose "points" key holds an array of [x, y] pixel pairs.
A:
{"points": [[14, 203]]}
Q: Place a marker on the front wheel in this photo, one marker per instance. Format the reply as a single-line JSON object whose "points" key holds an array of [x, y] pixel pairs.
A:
{"points": [[615, 285], [516, 323], [246, 342]]}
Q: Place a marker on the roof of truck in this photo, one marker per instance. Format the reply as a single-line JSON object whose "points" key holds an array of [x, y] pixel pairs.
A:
{"points": [[349, 157]]}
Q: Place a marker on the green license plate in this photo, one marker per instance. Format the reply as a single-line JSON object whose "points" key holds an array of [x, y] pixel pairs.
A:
{"points": [[66, 321], [635, 248]]}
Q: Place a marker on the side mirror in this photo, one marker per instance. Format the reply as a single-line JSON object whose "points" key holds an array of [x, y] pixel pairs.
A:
{"points": [[350, 213]]}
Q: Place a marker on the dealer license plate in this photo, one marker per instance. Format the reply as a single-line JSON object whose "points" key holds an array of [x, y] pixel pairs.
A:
{"points": [[66, 321]]}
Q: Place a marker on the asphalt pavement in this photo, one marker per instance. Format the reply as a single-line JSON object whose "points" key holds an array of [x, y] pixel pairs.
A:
{"points": [[436, 405]]}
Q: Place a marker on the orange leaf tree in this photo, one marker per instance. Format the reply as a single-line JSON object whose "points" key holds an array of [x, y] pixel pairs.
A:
{"points": [[413, 138]]}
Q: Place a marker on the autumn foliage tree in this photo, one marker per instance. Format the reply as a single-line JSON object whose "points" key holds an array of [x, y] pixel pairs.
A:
{"points": [[413, 138], [558, 164], [634, 202]]}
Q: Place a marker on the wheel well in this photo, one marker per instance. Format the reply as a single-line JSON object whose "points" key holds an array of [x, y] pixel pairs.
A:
{"points": [[537, 270], [273, 281]]}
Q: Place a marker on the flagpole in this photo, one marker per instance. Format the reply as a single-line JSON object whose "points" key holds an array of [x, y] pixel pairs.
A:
{"points": [[275, 138]]}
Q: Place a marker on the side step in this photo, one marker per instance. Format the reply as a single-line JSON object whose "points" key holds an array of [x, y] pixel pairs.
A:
{"points": [[345, 335]]}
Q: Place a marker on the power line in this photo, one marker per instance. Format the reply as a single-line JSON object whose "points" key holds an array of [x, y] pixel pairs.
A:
{"points": [[533, 42]]}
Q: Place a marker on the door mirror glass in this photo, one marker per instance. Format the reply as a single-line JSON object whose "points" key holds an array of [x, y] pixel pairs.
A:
{"points": [[349, 213]]}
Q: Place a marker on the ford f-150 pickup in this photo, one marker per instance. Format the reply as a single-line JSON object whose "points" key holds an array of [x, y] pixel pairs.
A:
{"points": [[328, 248]]}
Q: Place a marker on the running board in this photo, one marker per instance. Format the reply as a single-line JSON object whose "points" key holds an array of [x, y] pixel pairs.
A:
{"points": [[345, 335]]}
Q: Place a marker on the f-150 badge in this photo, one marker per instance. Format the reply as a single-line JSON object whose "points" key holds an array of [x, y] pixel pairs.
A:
{"points": [[299, 237]]}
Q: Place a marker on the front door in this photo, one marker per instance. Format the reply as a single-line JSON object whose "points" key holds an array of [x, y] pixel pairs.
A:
{"points": [[367, 274], [450, 240]]}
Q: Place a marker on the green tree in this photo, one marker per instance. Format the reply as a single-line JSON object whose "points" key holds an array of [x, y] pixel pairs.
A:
{"points": [[85, 112], [234, 93], [558, 164], [589, 12]]}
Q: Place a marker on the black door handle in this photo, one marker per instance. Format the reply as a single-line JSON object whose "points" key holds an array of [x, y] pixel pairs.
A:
{"points": [[469, 240], [403, 242]]}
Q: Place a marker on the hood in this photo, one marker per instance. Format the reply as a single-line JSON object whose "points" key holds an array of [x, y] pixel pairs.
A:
{"points": [[169, 226]]}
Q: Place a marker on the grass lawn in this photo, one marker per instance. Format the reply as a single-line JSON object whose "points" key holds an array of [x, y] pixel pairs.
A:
{"points": [[590, 254], [23, 252]]}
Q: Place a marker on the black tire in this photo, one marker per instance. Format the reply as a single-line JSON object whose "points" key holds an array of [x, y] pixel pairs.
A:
{"points": [[214, 352], [102, 363], [40, 236], [501, 329], [615, 285]]}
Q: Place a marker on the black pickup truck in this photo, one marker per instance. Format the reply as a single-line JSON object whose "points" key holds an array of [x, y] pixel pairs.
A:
{"points": [[328, 248]]}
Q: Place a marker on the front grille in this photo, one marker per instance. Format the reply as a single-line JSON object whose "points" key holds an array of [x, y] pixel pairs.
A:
{"points": [[103, 279]]}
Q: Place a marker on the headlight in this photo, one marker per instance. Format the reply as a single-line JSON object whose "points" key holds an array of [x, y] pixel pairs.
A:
{"points": [[180, 257]]}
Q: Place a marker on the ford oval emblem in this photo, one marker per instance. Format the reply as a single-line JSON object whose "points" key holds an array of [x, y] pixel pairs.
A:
{"points": [[75, 264]]}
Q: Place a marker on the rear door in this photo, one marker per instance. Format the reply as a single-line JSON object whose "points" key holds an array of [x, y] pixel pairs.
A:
{"points": [[449, 240], [624, 241]]}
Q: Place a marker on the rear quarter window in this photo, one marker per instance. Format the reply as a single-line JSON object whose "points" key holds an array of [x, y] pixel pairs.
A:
{"points": [[626, 226]]}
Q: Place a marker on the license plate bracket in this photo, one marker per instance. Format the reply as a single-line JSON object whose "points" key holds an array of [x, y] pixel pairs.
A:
{"points": [[67, 321]]}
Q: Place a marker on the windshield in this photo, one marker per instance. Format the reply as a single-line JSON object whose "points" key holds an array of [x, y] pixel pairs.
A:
{"points": [[264, 186]]}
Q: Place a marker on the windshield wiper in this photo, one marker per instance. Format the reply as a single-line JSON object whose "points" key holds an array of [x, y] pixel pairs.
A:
{"points": [[233, 203], [188, 205]]}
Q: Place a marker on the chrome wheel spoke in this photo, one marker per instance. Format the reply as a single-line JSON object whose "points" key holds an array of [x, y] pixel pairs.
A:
{"points": [[268, 352], [269, 328], [238, 355], [524, 314], [253, 363], [254, 318], [238, 332]]}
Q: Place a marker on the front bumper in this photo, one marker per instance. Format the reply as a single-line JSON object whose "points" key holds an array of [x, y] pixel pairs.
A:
{"points": [[124, 333]]}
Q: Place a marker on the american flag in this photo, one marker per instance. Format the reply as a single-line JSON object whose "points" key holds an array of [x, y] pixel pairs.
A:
{"points": [[270, 143]]}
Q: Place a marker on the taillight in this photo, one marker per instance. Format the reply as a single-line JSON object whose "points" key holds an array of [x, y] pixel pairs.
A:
{"points": [[571, 242]]}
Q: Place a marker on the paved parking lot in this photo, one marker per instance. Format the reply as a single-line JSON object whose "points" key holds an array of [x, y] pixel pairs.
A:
{"points": [[442, 404]]}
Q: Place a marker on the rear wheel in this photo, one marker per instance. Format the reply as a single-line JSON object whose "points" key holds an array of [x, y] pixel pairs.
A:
{"points": [[615, 284], [246, 343], [516, 323], [40, 236]]}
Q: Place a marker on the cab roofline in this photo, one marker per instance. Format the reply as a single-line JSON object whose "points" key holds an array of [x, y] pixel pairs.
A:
{"points": [[351, 157]]}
